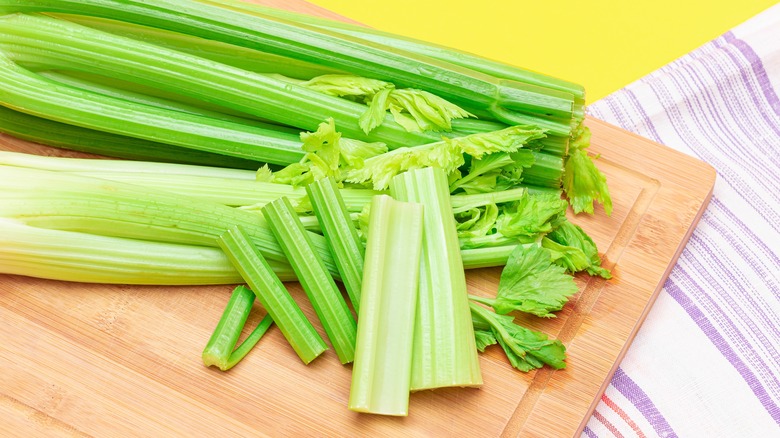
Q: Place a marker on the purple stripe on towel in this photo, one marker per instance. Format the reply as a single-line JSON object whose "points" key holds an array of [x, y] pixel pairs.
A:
{"points": [[758, 69], [723, 346], [631, 391]]}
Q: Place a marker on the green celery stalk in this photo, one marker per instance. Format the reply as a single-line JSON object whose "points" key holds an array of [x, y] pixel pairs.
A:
{"points": [[64, 136], [319, 286], [36, 95], [506, 100], [75, 203], [341, 235], [445, 352], [219, 350], [232, 55], [98, 85], [423, 48], [299, 332], [62, 45], [381, 375]]}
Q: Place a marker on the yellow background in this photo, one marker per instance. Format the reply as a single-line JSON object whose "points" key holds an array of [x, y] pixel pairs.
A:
{"points": [[601, 44]]}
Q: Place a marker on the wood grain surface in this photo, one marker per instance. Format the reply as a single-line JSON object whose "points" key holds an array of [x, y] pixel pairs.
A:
{"points": [[111, 360]]}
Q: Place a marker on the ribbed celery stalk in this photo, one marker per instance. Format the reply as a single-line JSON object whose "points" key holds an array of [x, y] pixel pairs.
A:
{"points": [[319, 286], [75, 138], [60, 44], [381, 376], [229, 54], [75, 203], [272, 295], [219, 350], [424, 48], [445, 352], [341, 235], [33, 94], [100, 85], [504, 99]]}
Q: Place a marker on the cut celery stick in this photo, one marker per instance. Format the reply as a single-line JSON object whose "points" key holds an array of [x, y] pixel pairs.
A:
{"points": [[299, 332], [341, 235], [219, 350], [445, 352], [319, 286], [381, 375]]}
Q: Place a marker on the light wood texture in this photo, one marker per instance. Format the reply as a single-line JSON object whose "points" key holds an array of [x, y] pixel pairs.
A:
{"points": [[109, 360]]}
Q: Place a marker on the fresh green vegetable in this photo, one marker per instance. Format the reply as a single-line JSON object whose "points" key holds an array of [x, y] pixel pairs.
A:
{"points": [[531, 283], [270, 291], [583, 182], [76, 203], [62, 45], [219, 350], [574, 250], [503, 99], [381, 376], [319, 286], [61, 135], [444, 350], [341, 235], [525, 348]]}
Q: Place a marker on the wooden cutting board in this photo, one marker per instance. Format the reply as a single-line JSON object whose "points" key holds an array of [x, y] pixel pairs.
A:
{"points": [[85, 359]]}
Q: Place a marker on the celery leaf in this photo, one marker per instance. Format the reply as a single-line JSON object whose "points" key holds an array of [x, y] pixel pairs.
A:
{"points": [[569, 235], [532, 283], [582, 181]]}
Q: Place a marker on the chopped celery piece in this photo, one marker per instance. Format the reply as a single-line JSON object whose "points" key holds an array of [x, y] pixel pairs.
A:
{"points": [[63, 45], [317, 282], [64, 136], [68, 202], [219, 350], [445, 353], [341, 235], [271, 293], [381, 375]]}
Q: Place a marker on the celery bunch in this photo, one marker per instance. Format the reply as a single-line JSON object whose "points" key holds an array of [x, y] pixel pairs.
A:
{"points": [[271, 142]]}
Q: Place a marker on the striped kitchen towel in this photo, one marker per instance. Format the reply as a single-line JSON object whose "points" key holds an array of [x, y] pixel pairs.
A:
{"points": [[707, 360]]}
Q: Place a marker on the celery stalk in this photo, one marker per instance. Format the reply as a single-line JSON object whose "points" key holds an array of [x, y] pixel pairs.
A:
{"points": [[36, 95], [445, 352], [75, 203], [381, 375], [219, 350], [299, 332], [506, 100], [232, 55], [319, 286], [64, 136], [341, 235], [64, 45]]}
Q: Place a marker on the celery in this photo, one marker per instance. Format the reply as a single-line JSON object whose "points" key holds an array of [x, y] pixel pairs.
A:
{"points": [[381, 376], [341, 235], [64, 136], [445, 353], [299, 332], [219, 350], [319, 286], [232, 55], [76, 203], [63, 45], [506, 100], [40, 96]]}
